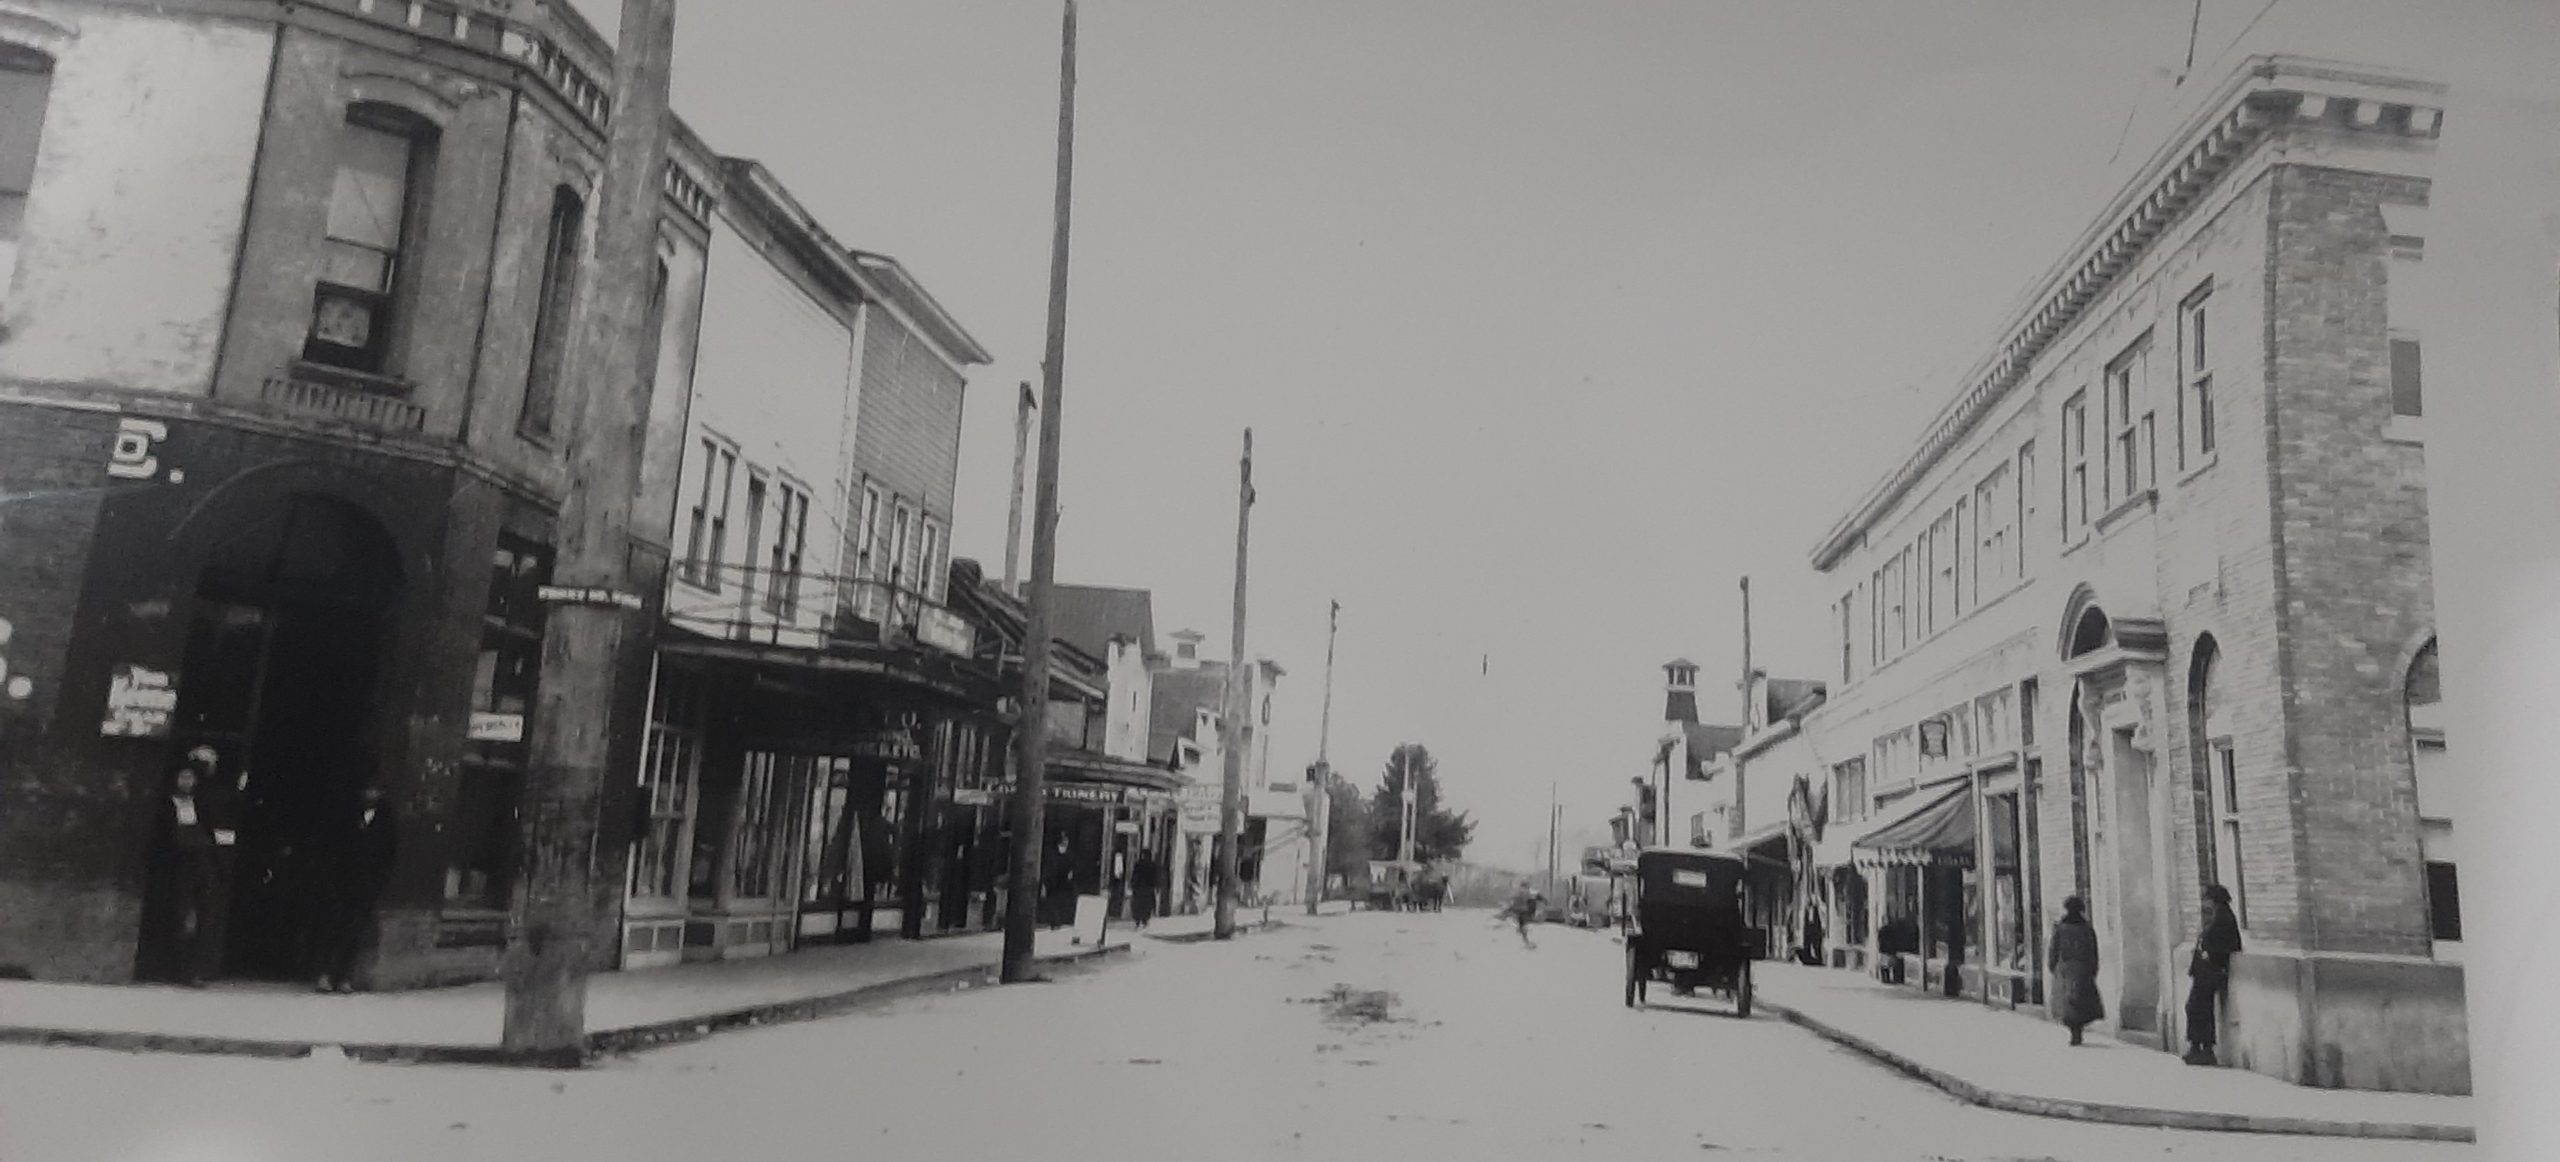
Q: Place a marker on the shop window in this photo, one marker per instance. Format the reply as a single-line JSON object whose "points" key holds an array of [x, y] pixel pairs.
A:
{"points": [[505, 683], [26, 92], [385, 156], [552, 312], [670, 778], [752, 848]]}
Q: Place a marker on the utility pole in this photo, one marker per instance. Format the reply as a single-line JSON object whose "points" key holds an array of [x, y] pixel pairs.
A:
{"points": [[1407, 800], [1231, 804], [592, 613], [1555, 821], [1021, 915], [1741, 818], [1321, 817], [1013, 518]]}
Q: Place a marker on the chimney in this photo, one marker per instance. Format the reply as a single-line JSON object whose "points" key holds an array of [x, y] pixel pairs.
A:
{"points": [[1680, 691], [1186, 649]]}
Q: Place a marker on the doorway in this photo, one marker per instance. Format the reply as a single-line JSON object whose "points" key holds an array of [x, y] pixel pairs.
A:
{"points": [[2138, 903], [283, 655]]}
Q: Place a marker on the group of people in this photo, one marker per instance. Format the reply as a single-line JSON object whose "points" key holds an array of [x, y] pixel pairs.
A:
{"points": [[341, 874], [2073, 958], [1143, 882]]}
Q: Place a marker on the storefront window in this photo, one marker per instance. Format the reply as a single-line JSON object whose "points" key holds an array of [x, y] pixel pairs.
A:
{"points": [[754, 850], [504, 685], [670, 773], [826, 851]]}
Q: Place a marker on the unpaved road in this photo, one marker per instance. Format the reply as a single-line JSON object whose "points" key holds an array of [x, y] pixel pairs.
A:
{"points": [[1406, 1037]]}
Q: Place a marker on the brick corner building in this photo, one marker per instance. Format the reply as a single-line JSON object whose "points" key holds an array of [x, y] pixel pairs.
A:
{"points": [[2150, 605]]}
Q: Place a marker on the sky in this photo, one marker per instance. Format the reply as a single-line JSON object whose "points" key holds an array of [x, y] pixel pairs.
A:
{"points": [[1551, 320]]}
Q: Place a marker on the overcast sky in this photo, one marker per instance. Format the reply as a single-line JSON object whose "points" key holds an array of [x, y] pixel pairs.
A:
{"points": [[1552, 320]]}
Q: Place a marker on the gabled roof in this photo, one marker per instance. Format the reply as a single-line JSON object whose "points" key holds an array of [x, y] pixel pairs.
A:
{"points": [[1706, 742], [1090, 615]]}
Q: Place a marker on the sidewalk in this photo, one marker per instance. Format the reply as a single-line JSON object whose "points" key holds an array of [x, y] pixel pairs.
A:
{"points": [[2019, 1062], [625, 1010], [1180, 929]]}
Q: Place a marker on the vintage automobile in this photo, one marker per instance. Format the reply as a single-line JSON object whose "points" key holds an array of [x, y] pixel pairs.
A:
{"points": [[1689, 926]]}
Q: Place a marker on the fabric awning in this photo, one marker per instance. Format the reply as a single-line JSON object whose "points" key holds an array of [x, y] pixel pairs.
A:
{"points": [[1941, 834]]}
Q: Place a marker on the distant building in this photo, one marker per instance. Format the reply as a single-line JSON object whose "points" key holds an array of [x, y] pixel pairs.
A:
{"points": [[1189, 719]]}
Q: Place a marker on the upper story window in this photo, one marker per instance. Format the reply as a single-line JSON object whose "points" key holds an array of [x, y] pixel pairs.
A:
{"points": [[558, 293], [374, 208], [707, 529], [2129, 459], [790, 545], [901, 543], [867, 534], [2026, 493], [2406, 399], [1847, 602], [2075, 465], [1187, 651], [757, 490], [2195, 376], [26, 90], [930, 583]]}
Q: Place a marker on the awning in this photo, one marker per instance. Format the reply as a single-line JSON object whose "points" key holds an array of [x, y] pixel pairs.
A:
{"points": [[1941, 834], [935, 676]]}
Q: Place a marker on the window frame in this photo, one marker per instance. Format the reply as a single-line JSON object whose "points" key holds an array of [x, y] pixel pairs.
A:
{"points": [[2195, 378], [555, 305], [387, 306], [40, 67], [2075, 460], [2230, 865]]}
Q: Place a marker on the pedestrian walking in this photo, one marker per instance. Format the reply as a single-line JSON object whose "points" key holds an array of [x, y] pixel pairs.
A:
{"points": [[357, 858], [1145, 880], [1523, 909], [187, 894], [2074, 960], [1058, 886], [1811, 950], [2209, 972]]}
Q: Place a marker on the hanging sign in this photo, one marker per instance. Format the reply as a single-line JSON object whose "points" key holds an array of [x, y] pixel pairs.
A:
{"points": [[587, 595], [140, 702], [973, 797], [1081, 793], [893, 745]]}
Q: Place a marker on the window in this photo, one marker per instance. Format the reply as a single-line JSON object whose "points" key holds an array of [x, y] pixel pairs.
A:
{"points": [[755, 537], [26, 90], [2075, 466], [699, 523], [2128, 457], [382, 161], [754, 844], [1963, 583], [2226, 829], [2026, 491], [868, 533], [504, 688], [1844, 607], [670, 774], [790, 542], [1849, 791], [2195, 379], [2444, 902], [1898, 580], [928, 583], [899, 545], [2405, 397], [1875, 618], [552, 310]]}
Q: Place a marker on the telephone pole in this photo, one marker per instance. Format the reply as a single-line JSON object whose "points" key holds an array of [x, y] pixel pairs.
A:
{"points": [[1320, 817], [1031, 731], [1013, 517], [1231, 805], [592, 615], [1741, 814]]}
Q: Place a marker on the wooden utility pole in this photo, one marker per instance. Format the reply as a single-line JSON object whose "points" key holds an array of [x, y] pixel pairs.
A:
{"points": [[1231, 804], [1555, 822], [1320, 817], [1741, 817], [1031, 733], [1013, 517], [592, 612]]}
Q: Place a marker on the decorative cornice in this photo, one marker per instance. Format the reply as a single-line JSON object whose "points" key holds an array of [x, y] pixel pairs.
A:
{"points": [[2264, 93]]}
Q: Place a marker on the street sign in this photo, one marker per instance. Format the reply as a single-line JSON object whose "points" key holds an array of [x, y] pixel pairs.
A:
{"points": [[587, 595]]}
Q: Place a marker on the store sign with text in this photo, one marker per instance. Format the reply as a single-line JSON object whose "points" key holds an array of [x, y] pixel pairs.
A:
{"points": [[140, 703]]}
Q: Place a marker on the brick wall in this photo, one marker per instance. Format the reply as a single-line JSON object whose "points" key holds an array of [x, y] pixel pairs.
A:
{"points": [[2356, 586]]}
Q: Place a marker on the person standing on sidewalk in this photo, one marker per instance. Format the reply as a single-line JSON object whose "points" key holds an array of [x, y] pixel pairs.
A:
{"points": [[2074, 961], [1145, 880], [2209, 972], [188, 894], [357, 860]]}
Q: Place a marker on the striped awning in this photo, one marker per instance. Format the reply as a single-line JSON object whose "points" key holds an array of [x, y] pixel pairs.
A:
{"points": [[1941, 834]]}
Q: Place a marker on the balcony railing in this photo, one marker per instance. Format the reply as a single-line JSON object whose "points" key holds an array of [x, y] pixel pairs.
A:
{"points": [[309, 393]]}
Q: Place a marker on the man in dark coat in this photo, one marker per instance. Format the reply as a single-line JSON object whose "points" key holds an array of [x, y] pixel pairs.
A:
{"points": [[358, 856], [1058, 887], [2209, 972], [188, 894], [2073, 956], [1145, 880]]}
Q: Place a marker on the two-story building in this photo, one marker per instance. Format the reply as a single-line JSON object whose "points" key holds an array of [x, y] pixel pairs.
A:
{"points": [[283, 401], [809, 674], [2149, 606], [1192, 696]]}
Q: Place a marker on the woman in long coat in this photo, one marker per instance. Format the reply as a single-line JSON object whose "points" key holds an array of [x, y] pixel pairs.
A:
{"points": [[1144, 883], [2074, 960]]}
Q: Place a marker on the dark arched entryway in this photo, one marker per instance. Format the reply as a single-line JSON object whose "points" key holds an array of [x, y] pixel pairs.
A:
{"points": [[284, 648]]}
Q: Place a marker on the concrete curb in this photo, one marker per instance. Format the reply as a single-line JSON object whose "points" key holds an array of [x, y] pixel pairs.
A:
{"points": [[610, 1042], [2122, 1115]]}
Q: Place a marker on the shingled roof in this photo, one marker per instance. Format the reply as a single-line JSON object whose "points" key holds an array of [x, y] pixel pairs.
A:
{"points": [[1088, 616]]}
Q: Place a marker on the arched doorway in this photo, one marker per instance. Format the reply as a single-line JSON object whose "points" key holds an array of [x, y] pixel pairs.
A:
{"points": [[289, 625], [2120, 822]]}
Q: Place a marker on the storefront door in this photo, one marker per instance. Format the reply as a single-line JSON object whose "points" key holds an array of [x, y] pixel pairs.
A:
{"points": [[284, 648]]}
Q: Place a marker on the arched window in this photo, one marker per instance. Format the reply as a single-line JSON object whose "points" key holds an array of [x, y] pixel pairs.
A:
{"points": [[557, 293], [2423, 698], [2217, 772]]}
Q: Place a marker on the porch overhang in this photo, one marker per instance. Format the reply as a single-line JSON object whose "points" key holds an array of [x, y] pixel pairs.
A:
{"points": [[1940, 834], [947, 680]]}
